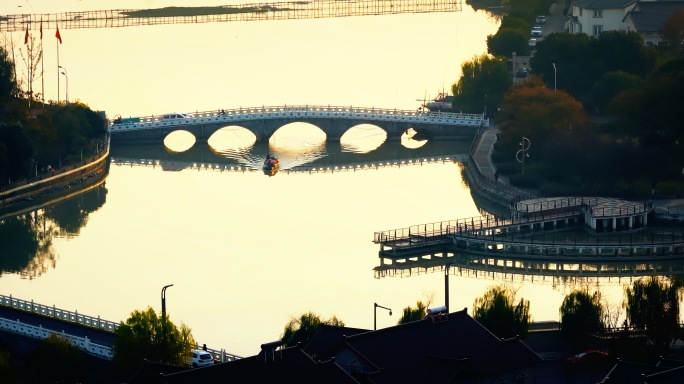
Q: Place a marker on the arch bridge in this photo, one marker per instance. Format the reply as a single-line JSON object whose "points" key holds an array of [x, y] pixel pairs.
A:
{"points": [[334, 121]]}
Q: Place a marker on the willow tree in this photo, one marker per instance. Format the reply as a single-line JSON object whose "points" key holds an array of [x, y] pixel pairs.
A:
{"points": [[653, 305], [416, 313], [497, 311], [301, 329], [582, 314], [483, 82], [147, 336]]}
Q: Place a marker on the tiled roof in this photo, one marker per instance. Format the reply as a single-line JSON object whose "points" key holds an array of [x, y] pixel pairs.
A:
{"points": [[603, 4], [649, 16], [437, 350], [286, 365], [328, 337]]}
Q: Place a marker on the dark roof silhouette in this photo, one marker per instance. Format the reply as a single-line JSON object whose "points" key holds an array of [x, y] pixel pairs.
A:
{"points": [[649, 16], [328, 337], [441, 348], [665, 371], [277, 366], [151, 372]]}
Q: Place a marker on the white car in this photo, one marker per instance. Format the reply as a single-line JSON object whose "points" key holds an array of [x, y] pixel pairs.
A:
{"points": [[200, 358], [177, 116], [537, 32], [540, 20], [532, 43]]}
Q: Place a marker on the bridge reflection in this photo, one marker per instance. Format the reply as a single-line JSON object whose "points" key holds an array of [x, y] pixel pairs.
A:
{"points": [[327, 168], [526, 269]]}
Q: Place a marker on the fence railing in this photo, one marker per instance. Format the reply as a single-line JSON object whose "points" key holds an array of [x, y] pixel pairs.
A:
{"points": [[15, 326], [290, 111], [59, 314]]}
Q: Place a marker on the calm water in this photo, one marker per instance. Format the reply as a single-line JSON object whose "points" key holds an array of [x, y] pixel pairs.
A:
{"points": [[246, 252]]}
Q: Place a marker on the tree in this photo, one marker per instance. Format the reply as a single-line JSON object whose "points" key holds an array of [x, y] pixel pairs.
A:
{"points": [[610, 85], [540, 114], [414, 314], [301, 330], [146, 336], [673, 29], [582, 314], [574, 59], [56, 360], [508, 40], [497, 312], [8, 85], [653, 305], [483, 82]]}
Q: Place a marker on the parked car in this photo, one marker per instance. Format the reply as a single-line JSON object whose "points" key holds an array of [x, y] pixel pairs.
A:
{"points": [[200, 358], [540, 19], [537, 32], [177, 116], [590, 356]]}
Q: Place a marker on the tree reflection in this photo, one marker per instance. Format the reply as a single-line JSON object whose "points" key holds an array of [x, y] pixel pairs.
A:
{"points": [[26, 238]]}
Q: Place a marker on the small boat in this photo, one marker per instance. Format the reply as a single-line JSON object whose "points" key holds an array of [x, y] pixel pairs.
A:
{"points": [[443, 102], [271, 165]]}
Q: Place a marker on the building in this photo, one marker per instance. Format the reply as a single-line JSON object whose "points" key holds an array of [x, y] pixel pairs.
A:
{"points": [[643, 17]]}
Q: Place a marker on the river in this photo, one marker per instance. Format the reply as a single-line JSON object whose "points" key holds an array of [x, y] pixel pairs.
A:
{"points": [[246, 252]]}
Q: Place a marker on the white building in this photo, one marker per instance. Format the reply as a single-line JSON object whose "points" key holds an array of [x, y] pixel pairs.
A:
{"points": [[644, 17]]}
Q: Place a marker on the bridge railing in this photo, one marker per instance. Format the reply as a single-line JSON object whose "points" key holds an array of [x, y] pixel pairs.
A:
{"points": [[15, 326], [60, 314], [299, 111]]}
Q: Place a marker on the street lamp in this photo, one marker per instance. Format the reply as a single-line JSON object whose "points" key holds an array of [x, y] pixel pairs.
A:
{"points": [[64, 72], [554, 76], [163, 300], [375, 314], [522, 152]]}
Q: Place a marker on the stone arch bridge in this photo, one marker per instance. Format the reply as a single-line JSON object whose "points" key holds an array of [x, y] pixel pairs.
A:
{"points": [[263, 122]]}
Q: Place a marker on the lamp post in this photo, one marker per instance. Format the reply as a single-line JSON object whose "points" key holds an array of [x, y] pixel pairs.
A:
{"points": [[522, 152], [554, 76], [163, 300], [375, 314], [64, 72]]}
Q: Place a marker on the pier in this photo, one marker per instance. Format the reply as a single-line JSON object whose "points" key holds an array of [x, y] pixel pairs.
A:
{"points": [[554, 230], [117, 18]]}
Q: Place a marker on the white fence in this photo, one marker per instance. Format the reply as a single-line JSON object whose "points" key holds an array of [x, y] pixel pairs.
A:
{"points": [[60, 314], [307, 111], [15, 326]]}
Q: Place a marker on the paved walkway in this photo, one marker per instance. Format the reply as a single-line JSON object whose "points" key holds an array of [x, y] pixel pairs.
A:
{"points": [[482, 156]]}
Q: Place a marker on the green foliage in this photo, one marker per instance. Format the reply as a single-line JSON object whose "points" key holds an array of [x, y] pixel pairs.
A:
{"points": [[147, 336], [508, 40], [6, 369], [484, 81], [301, 330], [653, 305], [496, 310], [611, 84], [8, 85], [582, 314], [56, 360], [416, 313]]}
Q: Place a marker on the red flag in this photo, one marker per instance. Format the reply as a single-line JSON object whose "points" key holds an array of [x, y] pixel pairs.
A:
{"points": [[26, 37], [58, 36]]}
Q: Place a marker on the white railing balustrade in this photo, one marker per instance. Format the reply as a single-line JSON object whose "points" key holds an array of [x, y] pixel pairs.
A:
{"points": [[15, 326], [307, 111], [57, 313]]}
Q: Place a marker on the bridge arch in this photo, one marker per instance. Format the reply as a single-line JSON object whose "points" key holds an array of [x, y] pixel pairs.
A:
{"points": [[334, 121]]}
